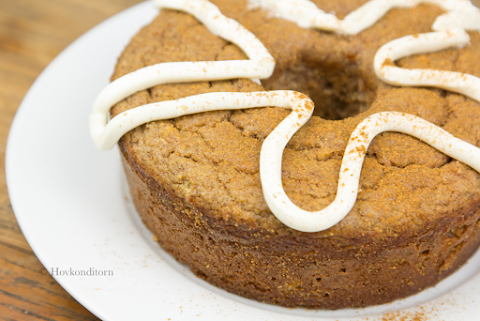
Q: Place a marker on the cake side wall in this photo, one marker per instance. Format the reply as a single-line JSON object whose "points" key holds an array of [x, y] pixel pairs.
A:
{"points": [[298, 274]]}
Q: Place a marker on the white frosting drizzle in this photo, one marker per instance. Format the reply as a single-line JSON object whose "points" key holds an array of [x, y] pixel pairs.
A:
{"points": [[307, 15], [273, 146], [450, 33], [362, 136], [261, 65], [132, 118]]}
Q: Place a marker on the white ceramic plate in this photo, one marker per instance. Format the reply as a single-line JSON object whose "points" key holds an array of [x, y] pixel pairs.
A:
{"points": [[73, 207]]}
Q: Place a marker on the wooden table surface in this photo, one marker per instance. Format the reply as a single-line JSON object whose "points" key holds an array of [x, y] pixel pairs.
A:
{"points": [[32, 33]]}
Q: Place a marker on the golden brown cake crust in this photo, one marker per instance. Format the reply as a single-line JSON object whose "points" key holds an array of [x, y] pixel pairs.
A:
{"points": [[195, 180], [298, 270]]}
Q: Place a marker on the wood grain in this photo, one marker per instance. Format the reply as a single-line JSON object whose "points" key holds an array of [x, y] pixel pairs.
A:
{"points": [[32, 33]]}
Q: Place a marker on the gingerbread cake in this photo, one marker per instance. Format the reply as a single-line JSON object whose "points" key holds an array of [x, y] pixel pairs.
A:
{"points": [[196, 179]]}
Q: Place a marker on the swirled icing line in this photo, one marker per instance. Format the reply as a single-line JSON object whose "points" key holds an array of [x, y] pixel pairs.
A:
{"points": [[349, 177], [261, 65], [132, 118], [307, 15], [465, 84], [273, 146], [450, 31]]}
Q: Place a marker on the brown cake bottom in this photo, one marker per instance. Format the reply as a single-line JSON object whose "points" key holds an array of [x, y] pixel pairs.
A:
{"points": [[297, 270]]}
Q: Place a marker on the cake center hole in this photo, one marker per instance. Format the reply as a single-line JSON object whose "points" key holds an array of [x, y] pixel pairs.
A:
{"points": [[338, 93]]}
